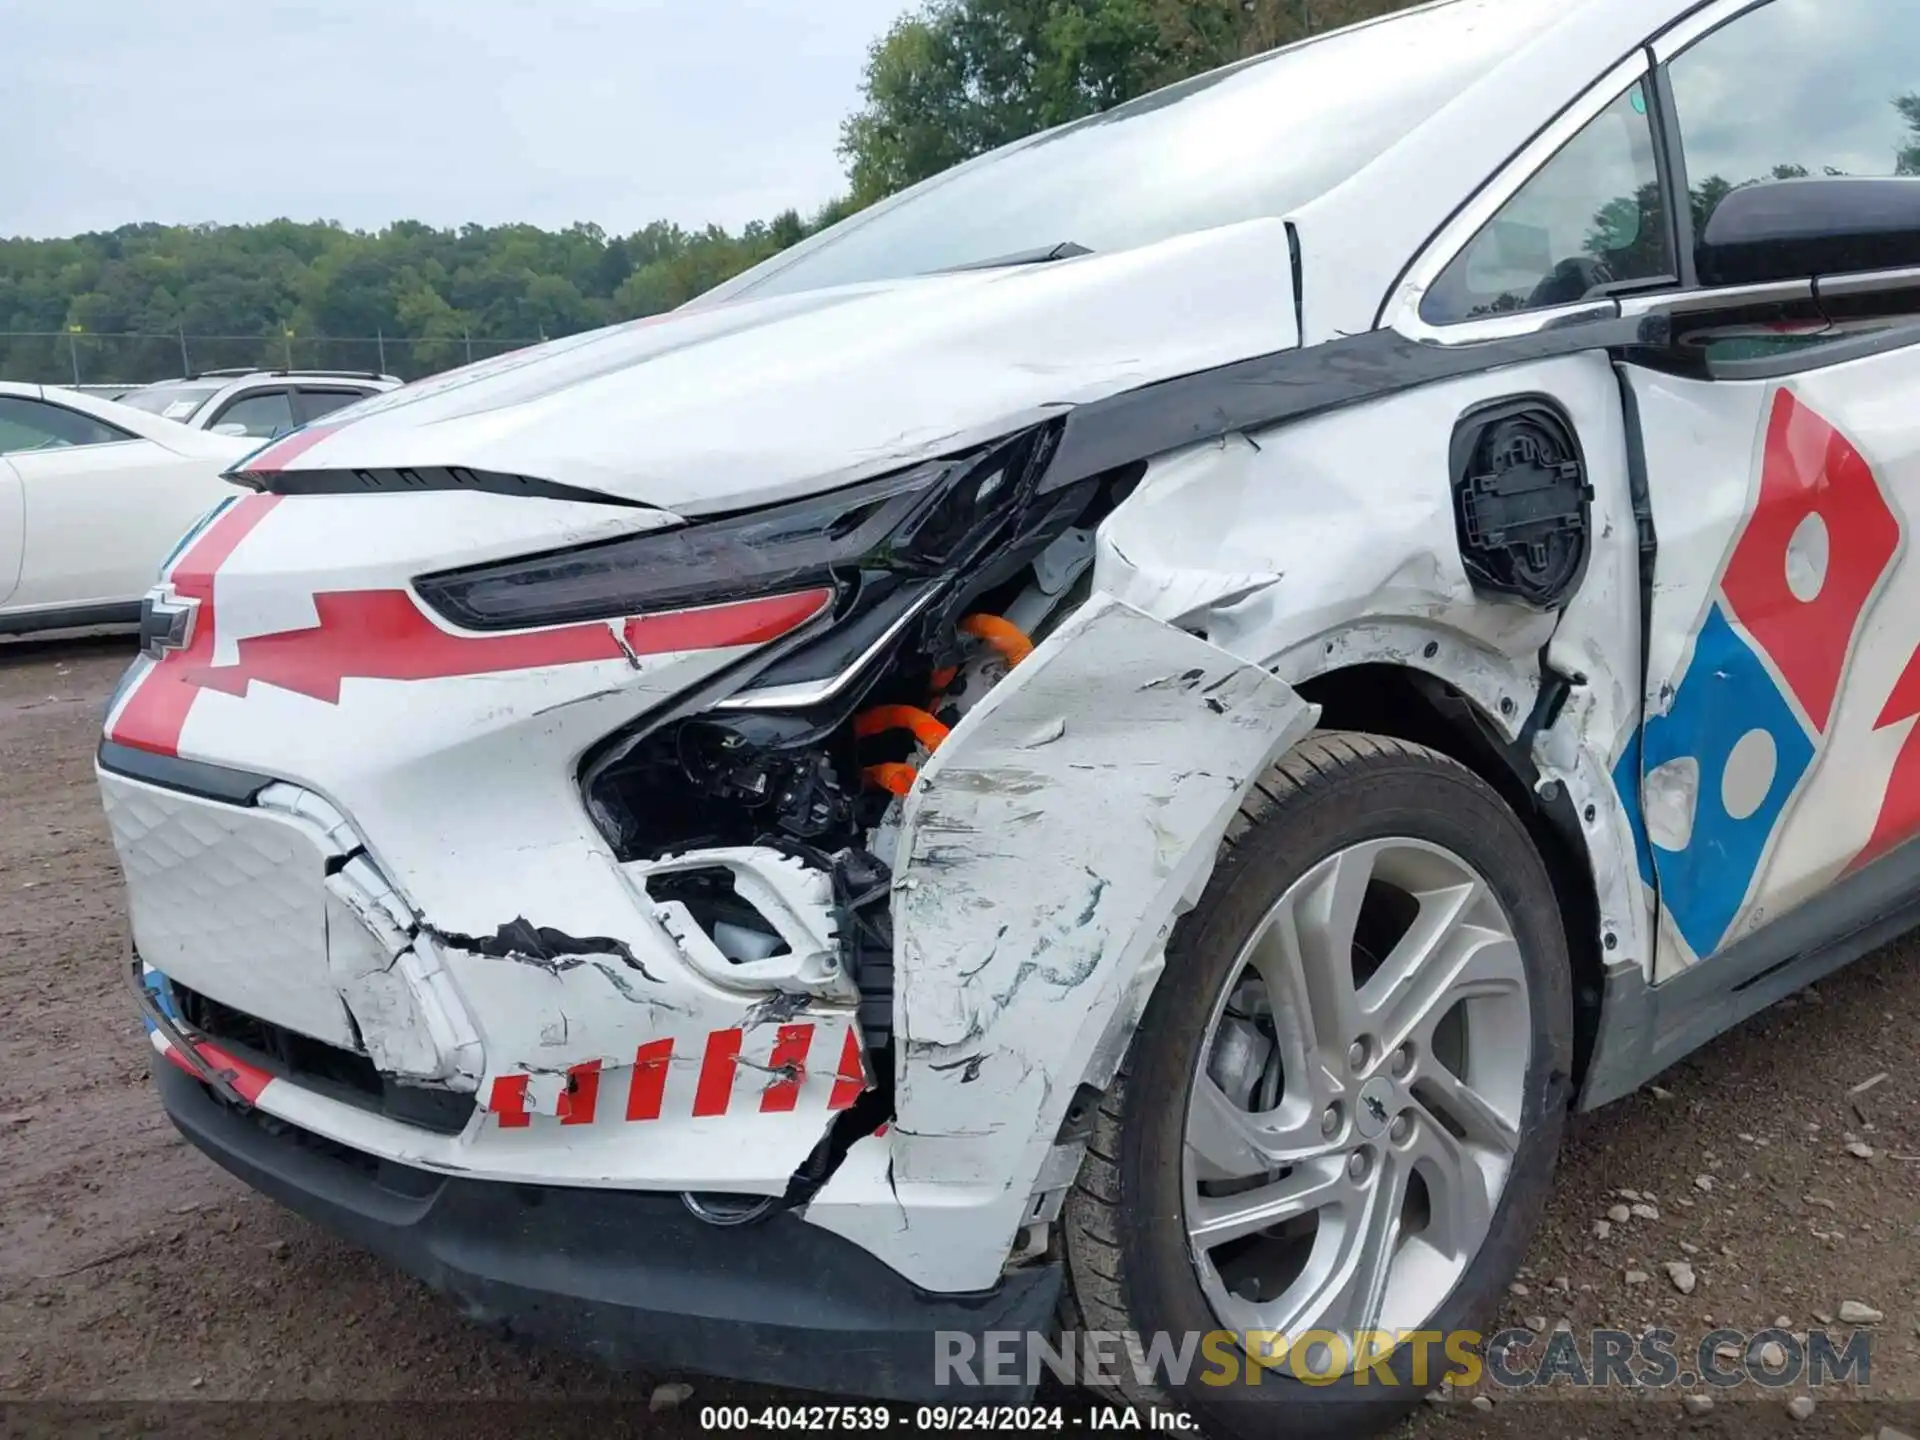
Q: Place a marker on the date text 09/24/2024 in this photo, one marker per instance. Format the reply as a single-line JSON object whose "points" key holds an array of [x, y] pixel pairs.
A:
{"points": [[936, 1419]]}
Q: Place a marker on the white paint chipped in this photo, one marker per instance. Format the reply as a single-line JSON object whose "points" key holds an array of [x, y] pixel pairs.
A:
{"points": [[1670, 798]]}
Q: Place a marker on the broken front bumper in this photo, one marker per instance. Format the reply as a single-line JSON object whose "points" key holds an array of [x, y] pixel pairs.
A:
{"points": [[364, 940], [632, 1279], [619, 1068]]}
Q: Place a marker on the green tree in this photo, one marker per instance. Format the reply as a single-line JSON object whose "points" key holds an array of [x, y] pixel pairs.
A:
{"points": [[410, 296]]}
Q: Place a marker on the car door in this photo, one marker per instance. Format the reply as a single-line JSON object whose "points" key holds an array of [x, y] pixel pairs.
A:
{"points": [[100, 505], [1782, 455], [13, 529]]}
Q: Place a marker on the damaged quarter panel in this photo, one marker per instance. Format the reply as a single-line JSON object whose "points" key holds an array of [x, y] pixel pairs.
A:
{"points": [[1333, 542], [421, 883], [1043, 857]]}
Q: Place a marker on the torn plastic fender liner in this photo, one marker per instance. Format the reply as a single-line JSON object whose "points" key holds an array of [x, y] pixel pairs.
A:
{"points": [[1053, 840]]}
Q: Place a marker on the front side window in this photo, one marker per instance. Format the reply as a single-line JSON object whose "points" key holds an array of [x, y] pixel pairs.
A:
{"points": [[262, 415], [1799, 89], [1591, 220], [37, 425]]}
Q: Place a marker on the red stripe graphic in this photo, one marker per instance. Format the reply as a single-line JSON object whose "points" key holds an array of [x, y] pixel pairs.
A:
{"points": [[278, 457], [383, 635], [649, 1086], [247, 1081], [582, 1095], [1900, 807], [508, 1100], [720, 1064], [715, 1091], [789, 1062], [851, 1078], [156, 711]]}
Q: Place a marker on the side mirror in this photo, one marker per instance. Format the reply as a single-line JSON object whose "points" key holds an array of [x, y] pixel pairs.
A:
{"points": [[1799, 229], [230, 427]]}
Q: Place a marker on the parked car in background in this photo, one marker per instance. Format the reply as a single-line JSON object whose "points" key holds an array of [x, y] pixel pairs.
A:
{"points": [[93, 496], [262, 404]]}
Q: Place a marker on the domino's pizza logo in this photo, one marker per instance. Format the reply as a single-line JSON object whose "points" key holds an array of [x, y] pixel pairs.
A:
{"points": [[1751, 712]]}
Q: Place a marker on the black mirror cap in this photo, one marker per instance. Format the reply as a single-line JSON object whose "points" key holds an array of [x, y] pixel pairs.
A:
{"points": [[1798, 229]]}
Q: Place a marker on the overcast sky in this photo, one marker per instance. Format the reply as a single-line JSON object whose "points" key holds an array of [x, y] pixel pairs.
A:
{"points": [[367, 111]]}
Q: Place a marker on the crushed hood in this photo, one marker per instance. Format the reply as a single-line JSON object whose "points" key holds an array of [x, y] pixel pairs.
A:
{"points": [[730, 405]]}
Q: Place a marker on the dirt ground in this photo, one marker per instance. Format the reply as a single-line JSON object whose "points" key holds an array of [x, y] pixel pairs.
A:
{"points": [[133, 1270]]}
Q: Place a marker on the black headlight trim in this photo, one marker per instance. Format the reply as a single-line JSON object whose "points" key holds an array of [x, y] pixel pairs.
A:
{"points": [[918, 521]]}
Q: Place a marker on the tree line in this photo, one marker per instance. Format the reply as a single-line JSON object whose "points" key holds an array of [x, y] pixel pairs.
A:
{"points": [[411, 297]]}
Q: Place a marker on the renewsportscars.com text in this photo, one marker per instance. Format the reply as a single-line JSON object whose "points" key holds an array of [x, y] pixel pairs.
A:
{"points": [[1423, 1359]]}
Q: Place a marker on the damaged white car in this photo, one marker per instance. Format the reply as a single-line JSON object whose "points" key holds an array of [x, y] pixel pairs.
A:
{"points": [[1121, 735]]}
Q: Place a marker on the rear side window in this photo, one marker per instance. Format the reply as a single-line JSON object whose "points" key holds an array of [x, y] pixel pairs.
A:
{"points": [[1590, 220], [39, 425], [315, 403]]}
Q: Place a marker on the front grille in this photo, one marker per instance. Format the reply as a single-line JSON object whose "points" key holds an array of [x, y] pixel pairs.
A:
{"points": [[338, 1074]]}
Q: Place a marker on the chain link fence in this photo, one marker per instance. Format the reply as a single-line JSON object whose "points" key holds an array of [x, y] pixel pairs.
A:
{"points": [[105, 362]]}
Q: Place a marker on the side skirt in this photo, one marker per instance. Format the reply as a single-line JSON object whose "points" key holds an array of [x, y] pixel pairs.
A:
{"points": [[1645, 1028]]}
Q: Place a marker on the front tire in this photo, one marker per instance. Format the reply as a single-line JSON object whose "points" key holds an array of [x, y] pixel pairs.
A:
{"points": [[1341, 1110]]}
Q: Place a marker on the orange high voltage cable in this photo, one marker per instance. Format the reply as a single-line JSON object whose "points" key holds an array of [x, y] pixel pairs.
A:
{"points": [[882, 718], [1002, 635], [895, 779]]}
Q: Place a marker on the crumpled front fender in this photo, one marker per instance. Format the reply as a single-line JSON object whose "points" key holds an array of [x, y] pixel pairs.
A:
{"points": [[1044, 856]]}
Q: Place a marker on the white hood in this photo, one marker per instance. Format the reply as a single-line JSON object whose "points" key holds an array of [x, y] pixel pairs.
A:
{"points": [[732, 405]]}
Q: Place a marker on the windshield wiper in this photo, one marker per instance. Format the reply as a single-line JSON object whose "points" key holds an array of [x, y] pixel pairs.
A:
{"points": [[1065, 250]]}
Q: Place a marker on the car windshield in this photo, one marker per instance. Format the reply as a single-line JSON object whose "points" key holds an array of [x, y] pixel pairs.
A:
{"points": [[175, 402], [1257, 139]]}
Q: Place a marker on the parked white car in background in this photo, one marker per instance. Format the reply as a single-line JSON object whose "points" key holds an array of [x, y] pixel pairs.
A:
{"points": [[93, 496], [262, 404]]}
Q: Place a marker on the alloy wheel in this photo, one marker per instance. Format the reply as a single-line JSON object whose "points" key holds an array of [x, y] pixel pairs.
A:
{"points": [[1356, 1107]]}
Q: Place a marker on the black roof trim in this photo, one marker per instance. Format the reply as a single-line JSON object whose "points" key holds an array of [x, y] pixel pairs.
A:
{"points": [[1250, 395]]}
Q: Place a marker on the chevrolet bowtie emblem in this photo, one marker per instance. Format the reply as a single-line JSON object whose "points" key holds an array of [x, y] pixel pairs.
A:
{"points": [[166, 621]]}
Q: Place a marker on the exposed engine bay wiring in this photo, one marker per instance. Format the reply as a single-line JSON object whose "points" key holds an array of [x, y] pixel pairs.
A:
{"points": [[931, 726]]}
